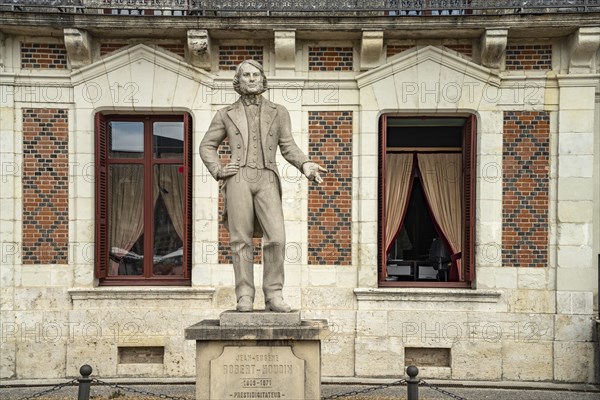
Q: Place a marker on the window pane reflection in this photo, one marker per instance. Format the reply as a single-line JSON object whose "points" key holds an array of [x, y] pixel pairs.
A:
{"points": [[127, 139], [168, 220], [167, 139]]}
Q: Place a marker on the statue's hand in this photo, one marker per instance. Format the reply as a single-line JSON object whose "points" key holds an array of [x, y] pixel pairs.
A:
{"points": [[311, 170], [229, 170]]}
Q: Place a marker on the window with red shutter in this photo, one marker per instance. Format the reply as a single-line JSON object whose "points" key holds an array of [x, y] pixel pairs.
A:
{"points": [[143, 199]]}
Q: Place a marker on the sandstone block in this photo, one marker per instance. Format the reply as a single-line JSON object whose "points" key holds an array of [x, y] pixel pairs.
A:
{"points": [[477, 360], [574, 362], [568, 302], [379, 357], [371, 323], [527, 361], [573, 328], [534, 301]]}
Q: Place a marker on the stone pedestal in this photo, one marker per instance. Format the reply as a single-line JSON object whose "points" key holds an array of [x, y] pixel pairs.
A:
{"points": [[258, 355]]}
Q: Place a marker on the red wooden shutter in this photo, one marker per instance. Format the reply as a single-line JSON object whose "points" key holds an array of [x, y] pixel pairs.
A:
{"points": [[102, 143], [187, 169], [381, 194], [469, 166]]}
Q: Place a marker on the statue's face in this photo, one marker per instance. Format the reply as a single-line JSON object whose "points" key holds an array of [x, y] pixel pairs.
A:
{"points": [[250, 79]]}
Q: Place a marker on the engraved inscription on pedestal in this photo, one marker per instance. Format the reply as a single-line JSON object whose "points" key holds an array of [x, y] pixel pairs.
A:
{"points": [[261, 372]]}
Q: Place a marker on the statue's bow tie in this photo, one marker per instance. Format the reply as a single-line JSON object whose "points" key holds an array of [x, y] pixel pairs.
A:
{"points": [[251, 101]]}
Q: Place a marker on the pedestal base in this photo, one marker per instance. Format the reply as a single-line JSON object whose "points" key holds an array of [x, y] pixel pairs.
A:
{"points": [[258, 355]]}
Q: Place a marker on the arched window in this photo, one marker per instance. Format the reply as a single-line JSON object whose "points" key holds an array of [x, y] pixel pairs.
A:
{"points": [[143, 199], [426, 201]]}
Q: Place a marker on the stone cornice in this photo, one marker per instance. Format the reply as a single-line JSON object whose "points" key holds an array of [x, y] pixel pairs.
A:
{"points": [[14, 22], [578, 80]]}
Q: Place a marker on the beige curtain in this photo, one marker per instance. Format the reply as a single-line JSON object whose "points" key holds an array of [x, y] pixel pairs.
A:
{"points": [[442, 183], [170, 182], [398, 173], [127, 210]]}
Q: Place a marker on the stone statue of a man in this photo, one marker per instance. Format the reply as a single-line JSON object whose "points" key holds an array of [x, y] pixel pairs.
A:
{"points": [[251, 185]]}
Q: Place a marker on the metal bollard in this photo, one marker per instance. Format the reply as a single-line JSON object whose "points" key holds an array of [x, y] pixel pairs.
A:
{"points": [[84, 382], [412, 382]]}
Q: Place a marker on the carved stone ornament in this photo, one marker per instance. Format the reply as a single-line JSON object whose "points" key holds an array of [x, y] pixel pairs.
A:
{"points": [[198, 43], [285, 50], [79, 47], [583, 45], [493, 45], [371, 49]]}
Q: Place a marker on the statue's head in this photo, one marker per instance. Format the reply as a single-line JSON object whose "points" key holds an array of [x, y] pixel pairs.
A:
{"points": [[250, 78]]}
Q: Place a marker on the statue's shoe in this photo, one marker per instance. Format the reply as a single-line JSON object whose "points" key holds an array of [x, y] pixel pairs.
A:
{"points": [[245, 304], [277, 305]]}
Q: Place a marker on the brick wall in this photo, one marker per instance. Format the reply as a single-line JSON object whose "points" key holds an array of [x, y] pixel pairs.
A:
{"points": [[525, 188], [528, 57], [231, 56], [393, 49], [330, 58], [330, 204], [466, 49], [45, 186], [224, 248], [43, 55], [107, 48]]}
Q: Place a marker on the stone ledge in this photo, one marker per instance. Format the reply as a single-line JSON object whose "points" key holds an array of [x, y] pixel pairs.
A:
{"points": [[259, 319], [141, 293], [210, 330], [420, 295]]}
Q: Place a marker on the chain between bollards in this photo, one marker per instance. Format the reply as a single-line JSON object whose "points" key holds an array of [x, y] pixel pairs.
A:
{"points": [[412, 382]]}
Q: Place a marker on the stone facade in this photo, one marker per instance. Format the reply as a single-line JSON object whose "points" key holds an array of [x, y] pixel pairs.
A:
{"points": [[529, 313]]}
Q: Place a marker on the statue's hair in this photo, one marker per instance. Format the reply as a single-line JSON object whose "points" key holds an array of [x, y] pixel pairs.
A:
{"points": [[238, 71]]}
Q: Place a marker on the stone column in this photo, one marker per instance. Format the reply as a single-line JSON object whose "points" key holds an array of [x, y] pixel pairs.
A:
{"points": [[576, 271]]}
